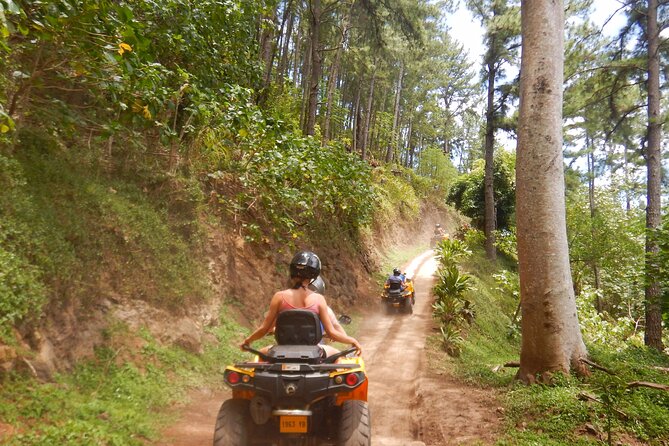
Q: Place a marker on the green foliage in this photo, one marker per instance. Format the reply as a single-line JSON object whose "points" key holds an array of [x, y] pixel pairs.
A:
{"points": [[450, 252], [436, 165], [66, 231], [451, 309], [505, 242], [294, 183], [467, 193], [612, 241], [395, 197], [616, 333]]}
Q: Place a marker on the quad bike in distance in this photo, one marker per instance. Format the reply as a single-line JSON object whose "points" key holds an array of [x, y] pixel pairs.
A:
{"points": [[436, 238], [396, 298], [293, 396]]}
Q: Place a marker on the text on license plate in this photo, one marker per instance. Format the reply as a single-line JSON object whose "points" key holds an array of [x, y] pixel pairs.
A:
{"points": [[293, 424]]}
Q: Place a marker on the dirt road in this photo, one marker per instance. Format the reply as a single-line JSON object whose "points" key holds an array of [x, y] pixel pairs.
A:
{"points": [[409, 404]]}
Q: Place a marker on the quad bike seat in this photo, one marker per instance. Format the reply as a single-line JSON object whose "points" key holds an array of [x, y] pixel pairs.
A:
{"points": [[298, 327], [394, 286], [297, 334]]}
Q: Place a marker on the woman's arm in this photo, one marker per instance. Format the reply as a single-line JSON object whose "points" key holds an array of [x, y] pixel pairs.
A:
{"points": [[331, 330], [268, 323]]}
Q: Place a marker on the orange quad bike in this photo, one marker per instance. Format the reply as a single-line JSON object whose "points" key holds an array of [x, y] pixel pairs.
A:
{"points": [[293, 395], [396, 298]]}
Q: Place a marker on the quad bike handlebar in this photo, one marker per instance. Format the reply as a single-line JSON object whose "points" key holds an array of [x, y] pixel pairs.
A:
{"points": [[260, 354], [329, 360], [332, 358]]}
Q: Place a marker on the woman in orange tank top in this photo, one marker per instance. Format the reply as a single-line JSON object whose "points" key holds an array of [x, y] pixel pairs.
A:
{"points": [[304, 268]]}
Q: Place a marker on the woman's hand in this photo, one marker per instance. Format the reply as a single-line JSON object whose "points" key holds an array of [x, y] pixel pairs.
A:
{"points": [[357, 345], [245, 345]]}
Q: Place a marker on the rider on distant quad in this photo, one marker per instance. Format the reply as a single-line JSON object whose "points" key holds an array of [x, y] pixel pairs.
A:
{"points": [[396, 281], [439, 231]]}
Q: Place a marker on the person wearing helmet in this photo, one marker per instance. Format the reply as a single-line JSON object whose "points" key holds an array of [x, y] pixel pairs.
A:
{"points": [[439, 231], [396, 280], [304, 269]]}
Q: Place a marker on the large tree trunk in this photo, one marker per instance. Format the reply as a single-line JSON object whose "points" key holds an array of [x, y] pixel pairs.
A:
{"points": [[490, 213], [653, 333], [551, 336], [396, 116], [316, 66]]}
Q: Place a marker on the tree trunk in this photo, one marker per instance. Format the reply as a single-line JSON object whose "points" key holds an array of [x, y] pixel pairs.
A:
{"points": [[283, 62], [653, 291], [296, 57], [409, 157], [334, 74], [356, 120], [396, 116], [593, 212], [368, 116], [267, 52], [316, 66], [551, 335], [490, 212]]}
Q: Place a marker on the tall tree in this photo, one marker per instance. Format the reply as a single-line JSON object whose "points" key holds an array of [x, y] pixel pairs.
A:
{"points": [[551, 336], [498, 17], [315, 67], [653, 333]]}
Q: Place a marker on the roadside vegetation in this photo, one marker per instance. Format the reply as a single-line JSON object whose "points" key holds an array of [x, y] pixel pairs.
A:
{"points": [[605, 408]]}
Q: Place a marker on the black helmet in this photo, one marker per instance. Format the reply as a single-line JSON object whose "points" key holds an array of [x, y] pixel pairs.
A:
{"points": [[317, 285], [396, 272], [306, 265]]}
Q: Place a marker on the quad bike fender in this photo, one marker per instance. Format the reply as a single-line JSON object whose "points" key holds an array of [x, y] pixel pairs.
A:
{"points": [[359, 393]]}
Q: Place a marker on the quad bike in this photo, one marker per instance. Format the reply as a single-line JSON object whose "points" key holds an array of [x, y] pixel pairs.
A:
{"points": [[399, 298], [293, 396], [436, 238]]}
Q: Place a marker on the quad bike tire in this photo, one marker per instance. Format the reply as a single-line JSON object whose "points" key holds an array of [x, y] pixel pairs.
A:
{"points": [[355, 428], [232, 424], [408, 306]]}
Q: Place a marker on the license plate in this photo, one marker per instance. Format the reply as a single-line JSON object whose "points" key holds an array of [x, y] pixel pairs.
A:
{"points": [[290, 367], [396, 304], [293, 424]]}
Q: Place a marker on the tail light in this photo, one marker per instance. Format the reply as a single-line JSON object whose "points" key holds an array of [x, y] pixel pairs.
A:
{"points": [[352, 379], [233, 378]]}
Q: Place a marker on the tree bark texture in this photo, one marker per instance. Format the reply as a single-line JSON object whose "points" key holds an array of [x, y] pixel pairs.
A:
{"points": [[653, 292], [551, 335]]}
